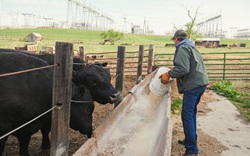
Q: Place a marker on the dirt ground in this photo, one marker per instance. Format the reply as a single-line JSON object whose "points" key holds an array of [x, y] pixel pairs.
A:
{"points": [[208, 146]]}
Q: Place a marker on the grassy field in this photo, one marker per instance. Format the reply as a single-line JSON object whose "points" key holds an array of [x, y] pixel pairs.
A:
{"points": [[10, 38]]}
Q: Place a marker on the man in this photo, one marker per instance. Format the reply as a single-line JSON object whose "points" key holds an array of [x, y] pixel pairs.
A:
{"points": [[190, 72]]}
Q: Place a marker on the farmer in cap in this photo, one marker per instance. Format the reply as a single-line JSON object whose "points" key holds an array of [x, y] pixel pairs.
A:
{"points": [[190, 72]]}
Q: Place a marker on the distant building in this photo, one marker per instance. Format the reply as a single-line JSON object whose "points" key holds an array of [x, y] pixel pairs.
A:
{"points": [[32, 37], [243, 34], [136, 29]]}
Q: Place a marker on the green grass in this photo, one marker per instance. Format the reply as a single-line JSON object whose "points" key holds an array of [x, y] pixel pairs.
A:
{"points": [[54, 33], [176, 106], [236, 41], [90, 40], [241, 99]]}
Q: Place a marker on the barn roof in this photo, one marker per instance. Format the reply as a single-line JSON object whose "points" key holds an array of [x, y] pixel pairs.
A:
{"points": [[36, 34]]}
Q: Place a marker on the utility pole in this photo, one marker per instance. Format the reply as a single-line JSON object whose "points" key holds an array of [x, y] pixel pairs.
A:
{"points": [[125, 24], [144, 26]]}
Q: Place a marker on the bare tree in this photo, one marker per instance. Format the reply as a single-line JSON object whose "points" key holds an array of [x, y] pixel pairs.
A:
{"points": [[191, 26]]}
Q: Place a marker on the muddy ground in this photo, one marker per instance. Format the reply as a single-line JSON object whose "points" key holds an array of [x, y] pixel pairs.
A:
{"points": [[208, 146]]}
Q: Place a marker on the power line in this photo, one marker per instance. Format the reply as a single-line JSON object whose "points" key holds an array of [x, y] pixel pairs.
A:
{"points": [[211, 26], [27, 18], [80, 15]]}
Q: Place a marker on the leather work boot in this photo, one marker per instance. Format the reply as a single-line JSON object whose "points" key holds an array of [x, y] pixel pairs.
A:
{"points": [[181, 142]]}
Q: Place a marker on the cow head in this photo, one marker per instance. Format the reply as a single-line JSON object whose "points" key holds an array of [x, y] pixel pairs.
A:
{"points": [[82, 107], [104, 64], [97, 79]]}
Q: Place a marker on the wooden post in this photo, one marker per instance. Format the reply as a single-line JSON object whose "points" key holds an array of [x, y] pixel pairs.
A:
{"points": [[81, 52], [61, 97], [140, 61], [150, 58], [120, 71]]}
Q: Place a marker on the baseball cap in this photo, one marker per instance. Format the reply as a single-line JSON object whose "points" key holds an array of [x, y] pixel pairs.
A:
{"points": [[180, 34]]}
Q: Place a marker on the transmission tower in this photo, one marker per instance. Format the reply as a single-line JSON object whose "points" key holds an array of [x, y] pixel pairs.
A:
{"points": [[14, 17], [82, 16], [48, 21], [36, 19], [27, 18], [212, 26]]}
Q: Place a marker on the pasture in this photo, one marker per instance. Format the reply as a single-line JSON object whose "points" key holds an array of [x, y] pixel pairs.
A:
{"points": [[10, 38]]}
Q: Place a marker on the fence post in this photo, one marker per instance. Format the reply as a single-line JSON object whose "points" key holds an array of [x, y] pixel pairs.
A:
{"points": [[224, 67], [120, 71], [81, 52], [61, 98], [150, 58], [139, 68]]}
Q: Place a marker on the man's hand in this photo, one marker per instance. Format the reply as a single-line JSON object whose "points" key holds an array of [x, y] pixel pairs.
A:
{"points": [[171, 67], [164, 78]]}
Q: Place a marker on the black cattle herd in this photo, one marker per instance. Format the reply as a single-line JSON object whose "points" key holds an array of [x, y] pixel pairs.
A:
{"points": [[27, 95]]}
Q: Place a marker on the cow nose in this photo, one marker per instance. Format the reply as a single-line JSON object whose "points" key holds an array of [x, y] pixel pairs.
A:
{"points": [[89, 134], [115, 97]]}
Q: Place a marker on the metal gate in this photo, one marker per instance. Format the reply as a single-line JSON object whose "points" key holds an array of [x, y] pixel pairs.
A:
{"points": [[220, 65]]}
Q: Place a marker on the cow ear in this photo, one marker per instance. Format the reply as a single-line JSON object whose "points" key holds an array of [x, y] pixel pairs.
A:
{"points": [[104, 64]]}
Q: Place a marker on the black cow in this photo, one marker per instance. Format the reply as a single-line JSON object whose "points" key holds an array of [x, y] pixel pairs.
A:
{"points": [[81, 110], [93, 76], [25, 96]]}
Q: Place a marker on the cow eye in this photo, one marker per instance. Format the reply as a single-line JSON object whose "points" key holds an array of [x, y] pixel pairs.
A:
{"points": [[93, 83]]}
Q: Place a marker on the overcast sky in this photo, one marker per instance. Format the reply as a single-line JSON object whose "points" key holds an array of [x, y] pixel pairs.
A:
{"points": [[160, 15]]}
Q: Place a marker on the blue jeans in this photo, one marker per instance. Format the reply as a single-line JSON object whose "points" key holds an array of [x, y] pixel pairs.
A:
{"points": [[190, 101]]}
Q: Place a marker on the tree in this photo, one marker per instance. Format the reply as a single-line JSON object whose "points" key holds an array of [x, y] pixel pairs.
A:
{"points": [[191, 26], [111, 36]]}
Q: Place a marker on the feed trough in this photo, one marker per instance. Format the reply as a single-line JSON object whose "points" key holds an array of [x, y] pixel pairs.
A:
{"points": [[140, 125]]}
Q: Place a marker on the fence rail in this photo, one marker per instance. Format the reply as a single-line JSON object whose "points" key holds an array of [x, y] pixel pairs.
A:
{"points": [[20, 72], [220, 65], [130, 63]]}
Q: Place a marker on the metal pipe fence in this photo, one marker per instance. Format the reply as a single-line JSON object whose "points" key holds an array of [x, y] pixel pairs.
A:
{"points": [[131, 63], [220, 65]]}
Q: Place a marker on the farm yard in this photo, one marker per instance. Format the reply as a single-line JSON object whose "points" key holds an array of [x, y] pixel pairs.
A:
{"points": [[210, 145], [207, 144]]}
